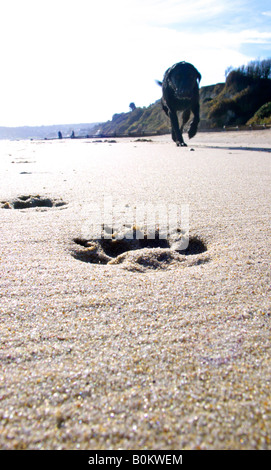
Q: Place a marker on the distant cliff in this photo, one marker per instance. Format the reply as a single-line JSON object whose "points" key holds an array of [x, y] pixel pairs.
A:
{"points": [[45, 132]]}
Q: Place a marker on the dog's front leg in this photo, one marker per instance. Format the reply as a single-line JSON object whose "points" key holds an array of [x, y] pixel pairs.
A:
{"points": [[175, 129]]}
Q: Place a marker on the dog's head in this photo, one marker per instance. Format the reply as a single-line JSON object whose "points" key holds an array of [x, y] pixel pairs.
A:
{"points": [[183, 78]]}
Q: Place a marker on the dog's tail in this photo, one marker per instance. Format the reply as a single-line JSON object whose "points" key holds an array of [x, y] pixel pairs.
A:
{"points": [[158, 82]]}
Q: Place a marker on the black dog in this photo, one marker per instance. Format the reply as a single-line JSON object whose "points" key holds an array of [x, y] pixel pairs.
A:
{"points": [[180, 88]]}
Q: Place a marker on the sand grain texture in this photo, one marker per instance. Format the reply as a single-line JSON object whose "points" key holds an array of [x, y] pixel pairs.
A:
{"points": [[167, 354]]}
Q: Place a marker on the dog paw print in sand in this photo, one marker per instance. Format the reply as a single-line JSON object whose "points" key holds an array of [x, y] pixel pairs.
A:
{"points": [[141, 254], [29, 202]]}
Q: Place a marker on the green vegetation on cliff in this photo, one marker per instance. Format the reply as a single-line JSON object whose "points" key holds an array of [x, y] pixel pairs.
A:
{"points": [[262, 116], [239, 100], [148, 120]]}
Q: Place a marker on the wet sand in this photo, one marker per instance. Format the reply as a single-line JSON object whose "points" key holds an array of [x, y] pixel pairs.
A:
{"points": [[153, 349]]}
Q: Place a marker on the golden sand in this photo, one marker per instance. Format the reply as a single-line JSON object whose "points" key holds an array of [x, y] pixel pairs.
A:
{"points": [[146, 352]]}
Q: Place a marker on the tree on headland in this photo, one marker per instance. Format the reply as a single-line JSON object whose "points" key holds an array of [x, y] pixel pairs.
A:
{"points": [[132, 106], [254, 69]]}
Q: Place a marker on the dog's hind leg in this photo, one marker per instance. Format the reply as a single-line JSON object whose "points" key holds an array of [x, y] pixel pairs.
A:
{"points": [[185, 117]]}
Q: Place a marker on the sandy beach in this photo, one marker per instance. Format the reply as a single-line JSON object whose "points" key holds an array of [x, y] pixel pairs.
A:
{"points": [[148, 348]]}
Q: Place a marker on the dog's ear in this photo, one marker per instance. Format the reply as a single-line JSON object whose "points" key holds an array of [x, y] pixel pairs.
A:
{"points": [[158, 82]]}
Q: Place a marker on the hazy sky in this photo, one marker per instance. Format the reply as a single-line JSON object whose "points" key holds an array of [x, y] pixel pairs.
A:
{"points": [[82, 61]]}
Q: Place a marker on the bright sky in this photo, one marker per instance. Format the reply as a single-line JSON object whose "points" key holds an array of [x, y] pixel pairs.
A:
{"points": [[81, 61]]}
